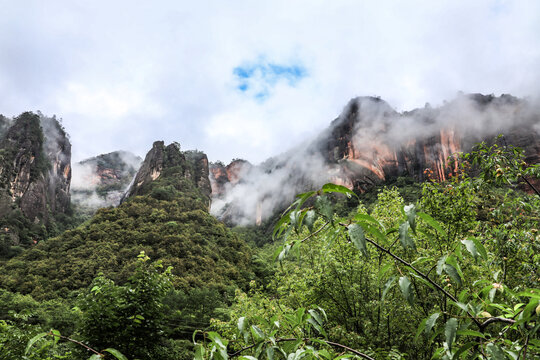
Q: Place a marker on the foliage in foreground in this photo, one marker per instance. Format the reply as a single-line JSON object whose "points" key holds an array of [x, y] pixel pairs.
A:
{"points": [[455, 276]]}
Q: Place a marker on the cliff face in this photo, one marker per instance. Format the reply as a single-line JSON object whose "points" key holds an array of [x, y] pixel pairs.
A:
{"points": [[35, 171], [167, 166], [101, 181], [370, 143], [222, 176]]}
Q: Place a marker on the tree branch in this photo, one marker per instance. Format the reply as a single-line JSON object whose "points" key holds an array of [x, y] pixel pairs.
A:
{"points": [[496, 319], [76, 342], [315, 232], [424, 276], [331, 343]]}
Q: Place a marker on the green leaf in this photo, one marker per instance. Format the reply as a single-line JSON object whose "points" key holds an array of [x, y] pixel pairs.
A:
{"points": [[387, 287], [424, 281], [471, 247], [199, 352], [451, 260], [453, 273], [367, 218], [316, 316], [56, 336], [492, 294], [284, 252], [430, 322], [495, 351], [270, 353], [384, 269], [420, 329], [294, 218], [468, 332], [479, 248], [316, 325], [450, 330], [324, 206], [97, 357], [358, 238], [117, 354], [406, 241], [242, 324], [410, 213], [375, 232], [281, 225], [309, 220], [333, 188], [34, 340], [460, 305], [440, 264], [433, 223], [302, 198], [257, 332], [463, 349], [406, 289]]}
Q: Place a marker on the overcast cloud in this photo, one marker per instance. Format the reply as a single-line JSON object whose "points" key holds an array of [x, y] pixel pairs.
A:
{"points": [[248, 79]]}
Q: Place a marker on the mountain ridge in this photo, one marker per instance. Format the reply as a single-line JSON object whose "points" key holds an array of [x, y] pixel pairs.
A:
{"points": [[369, 143]]}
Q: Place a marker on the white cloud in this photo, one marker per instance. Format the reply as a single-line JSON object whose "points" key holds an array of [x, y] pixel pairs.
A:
{"points": [[124, 74]]}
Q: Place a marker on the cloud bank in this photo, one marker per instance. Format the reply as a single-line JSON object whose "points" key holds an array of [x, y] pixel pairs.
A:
{"points": [[124, 74], [377, 134]]}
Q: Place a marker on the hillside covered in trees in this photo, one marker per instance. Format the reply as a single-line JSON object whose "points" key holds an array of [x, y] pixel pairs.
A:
{"points": [[440, 269]]}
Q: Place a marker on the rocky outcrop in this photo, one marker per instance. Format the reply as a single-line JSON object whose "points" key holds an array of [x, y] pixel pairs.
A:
{"points": [[167, 166], [222, 176], [101, 181], [35, 170], [370, 143]]}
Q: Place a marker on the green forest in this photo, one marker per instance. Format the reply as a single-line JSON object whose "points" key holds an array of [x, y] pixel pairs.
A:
{"points": [[406, 270]]}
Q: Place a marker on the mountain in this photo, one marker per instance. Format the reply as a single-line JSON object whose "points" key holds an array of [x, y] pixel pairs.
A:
{"points": [[370, 143], [102, 180], [165, 214], [161, 162], [35, 175]]}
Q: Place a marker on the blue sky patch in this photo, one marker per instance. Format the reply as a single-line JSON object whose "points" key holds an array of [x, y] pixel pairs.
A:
{"points": [[259, 78]]}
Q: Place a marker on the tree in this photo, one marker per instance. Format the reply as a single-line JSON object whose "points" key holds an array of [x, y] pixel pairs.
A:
{"points": [[451, 276], [127, 317]]}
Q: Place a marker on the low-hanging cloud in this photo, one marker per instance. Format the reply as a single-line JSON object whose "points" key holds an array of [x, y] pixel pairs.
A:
{"points": [[172, 75], [92, 176], [378, 132]]}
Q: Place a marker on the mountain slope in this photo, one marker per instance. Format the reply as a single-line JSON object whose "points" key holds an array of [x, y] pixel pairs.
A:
{"points": [[166, 216]]}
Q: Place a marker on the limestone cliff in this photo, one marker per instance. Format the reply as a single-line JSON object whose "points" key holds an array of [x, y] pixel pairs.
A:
{"points": [[35, 171], [168, 167], [222, 176], [370, 143]]}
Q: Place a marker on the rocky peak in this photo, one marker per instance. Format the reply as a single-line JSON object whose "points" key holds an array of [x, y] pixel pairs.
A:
{"points": [[101, 181], [370, 143], [35, 169], [168, 166], [222, 176]]}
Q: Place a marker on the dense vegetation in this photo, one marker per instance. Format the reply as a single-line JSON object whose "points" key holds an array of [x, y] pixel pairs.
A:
{"points": [[452, 272], [454, 276], [92, 274]]}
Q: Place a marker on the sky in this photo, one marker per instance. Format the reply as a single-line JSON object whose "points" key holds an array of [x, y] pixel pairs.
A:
{"points": [[251, 79]]}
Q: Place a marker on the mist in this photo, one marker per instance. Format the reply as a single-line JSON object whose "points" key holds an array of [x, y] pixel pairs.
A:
{"points": [[378, 133], [101, 181]]}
